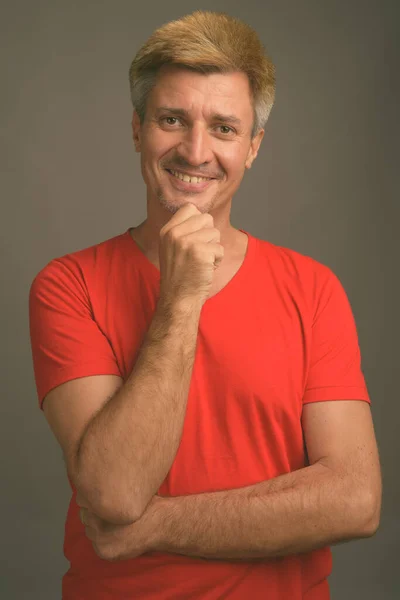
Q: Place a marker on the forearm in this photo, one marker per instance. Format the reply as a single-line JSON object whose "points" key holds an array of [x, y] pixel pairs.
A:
{"points": [[130, 445], [293, 513]]}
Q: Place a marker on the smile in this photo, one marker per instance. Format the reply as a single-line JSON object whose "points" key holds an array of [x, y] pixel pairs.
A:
{"points": [[187, 178], [184, 183]]}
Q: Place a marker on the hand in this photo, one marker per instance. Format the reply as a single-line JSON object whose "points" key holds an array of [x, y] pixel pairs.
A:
{"points": [[119, 542], [189, 253]]}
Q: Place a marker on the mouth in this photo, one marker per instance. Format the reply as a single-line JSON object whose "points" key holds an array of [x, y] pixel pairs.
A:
{"points": [[191, 184]]}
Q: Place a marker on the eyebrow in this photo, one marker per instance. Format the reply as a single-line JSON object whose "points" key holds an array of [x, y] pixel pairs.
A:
{"points": [[181, 112]]}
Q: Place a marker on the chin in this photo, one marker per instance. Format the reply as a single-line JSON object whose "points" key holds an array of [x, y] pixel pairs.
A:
{"points": [[173, 205]]}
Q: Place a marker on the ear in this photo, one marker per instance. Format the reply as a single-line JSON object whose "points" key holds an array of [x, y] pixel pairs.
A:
{"points": [[136, 130], [254, 146]]}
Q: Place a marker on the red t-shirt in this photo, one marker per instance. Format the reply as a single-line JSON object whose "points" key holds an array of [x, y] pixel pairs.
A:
{"points": [[279, 335]]}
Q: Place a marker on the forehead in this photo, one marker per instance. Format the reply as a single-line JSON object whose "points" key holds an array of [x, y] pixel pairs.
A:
{"points": [[182, 88]]}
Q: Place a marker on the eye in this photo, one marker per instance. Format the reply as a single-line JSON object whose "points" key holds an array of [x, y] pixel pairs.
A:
{"points": [[173, 118], [226, 127]]}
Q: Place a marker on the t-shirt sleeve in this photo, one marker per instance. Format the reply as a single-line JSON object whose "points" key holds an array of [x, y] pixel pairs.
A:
{"points": [[66, 341], [335, 360]]}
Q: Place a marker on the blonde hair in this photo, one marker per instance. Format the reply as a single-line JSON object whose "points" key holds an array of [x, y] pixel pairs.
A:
{"points": [[206, 42]]}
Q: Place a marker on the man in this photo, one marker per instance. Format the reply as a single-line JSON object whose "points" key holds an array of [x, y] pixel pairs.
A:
{"points": [[205, 386]]}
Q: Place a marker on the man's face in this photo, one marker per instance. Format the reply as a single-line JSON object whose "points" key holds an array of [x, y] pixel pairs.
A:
{"points": [[197, 142]]}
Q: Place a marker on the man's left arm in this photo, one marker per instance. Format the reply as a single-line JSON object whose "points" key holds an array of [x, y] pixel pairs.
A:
{"points": [[335, 499]]}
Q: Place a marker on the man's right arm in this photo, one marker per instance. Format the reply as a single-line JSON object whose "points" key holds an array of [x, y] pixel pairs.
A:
{"points": [[127, 447]]}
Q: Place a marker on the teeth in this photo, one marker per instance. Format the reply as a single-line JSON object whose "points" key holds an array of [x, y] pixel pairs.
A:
{"points": [[189, 179]]}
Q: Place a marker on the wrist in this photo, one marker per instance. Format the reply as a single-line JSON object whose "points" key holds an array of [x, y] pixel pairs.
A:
{"points": [[176, 305]]}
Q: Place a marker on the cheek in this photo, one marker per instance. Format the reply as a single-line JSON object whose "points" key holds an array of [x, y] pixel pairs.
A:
{"points": [[233, 161], [156, 153], [236, 170], [160, 141]]}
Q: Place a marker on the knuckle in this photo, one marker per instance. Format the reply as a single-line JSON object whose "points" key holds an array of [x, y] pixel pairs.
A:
{"points": [[170, 235], [184, 244], [198, 254]]}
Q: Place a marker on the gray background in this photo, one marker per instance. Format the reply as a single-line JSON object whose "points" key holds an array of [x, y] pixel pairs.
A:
{"points": [[323, 184]]}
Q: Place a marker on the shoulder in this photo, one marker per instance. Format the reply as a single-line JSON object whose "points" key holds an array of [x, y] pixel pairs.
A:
{"points": [[292, 262], [79, 266], [301, 275]]}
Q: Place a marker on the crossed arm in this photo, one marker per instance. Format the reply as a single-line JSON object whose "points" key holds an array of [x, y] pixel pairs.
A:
{"points": [[335, 499]]}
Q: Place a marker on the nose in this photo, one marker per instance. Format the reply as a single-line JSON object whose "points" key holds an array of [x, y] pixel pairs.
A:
{"points": [[195, 147]]}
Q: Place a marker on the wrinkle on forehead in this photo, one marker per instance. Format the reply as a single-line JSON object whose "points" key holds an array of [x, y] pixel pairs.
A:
{"points": [[210, 93]]}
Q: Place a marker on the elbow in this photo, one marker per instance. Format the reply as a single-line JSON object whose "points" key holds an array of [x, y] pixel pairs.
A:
{"points": [[371, 527], [117, 514], [108, 506], [119, 504], [371, 514], [373, 524], [113, 510], [104, 500]]}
